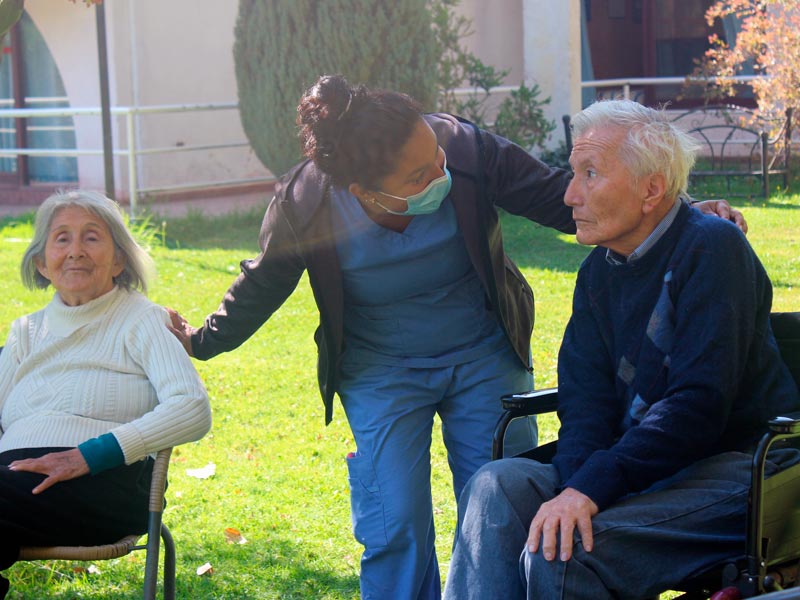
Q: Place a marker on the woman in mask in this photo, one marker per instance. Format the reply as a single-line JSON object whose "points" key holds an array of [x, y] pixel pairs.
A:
{"points": [[394, 216]]}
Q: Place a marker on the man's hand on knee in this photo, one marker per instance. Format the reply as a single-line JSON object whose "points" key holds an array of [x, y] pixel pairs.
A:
{"points": [[558, 518]]}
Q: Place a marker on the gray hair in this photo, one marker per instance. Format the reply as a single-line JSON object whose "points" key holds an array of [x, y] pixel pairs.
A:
{"points": [[138, 264], [653, 143]]}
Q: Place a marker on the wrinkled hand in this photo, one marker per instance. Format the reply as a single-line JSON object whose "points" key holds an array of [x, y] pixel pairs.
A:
{"points": [[722, 209], [58, 466], [181, 330], [558, 518]]}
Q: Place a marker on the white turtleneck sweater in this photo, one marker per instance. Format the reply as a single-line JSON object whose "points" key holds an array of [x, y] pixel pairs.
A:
{"points": [[71, 374]]}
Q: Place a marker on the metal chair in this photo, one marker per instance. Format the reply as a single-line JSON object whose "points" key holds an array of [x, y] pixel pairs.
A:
{"points": [[772, 551], [156, 531]]}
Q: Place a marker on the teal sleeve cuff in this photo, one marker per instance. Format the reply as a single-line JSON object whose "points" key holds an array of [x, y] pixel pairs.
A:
{"points": [[102, 453]]}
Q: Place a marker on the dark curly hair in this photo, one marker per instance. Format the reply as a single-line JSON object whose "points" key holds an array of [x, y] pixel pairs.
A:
{"points": [[354, 133]]}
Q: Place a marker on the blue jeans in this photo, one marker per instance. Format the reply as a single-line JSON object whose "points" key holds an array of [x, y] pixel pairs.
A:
{"points": [[643, 545], [391, 412]]}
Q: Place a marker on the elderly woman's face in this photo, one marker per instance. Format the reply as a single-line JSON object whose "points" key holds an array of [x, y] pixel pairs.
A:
{"points": [[80, 259]]}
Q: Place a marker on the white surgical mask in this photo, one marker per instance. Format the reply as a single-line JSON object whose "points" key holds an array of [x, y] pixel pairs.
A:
{"points": [[428, 200]]}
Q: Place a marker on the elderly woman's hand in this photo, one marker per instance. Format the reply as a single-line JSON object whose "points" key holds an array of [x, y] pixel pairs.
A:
{"points": [[181, 329], [58, 466]]}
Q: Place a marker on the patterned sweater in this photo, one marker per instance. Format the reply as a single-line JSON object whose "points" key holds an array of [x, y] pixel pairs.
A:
{"points": [[666, 360], [71, 374]]}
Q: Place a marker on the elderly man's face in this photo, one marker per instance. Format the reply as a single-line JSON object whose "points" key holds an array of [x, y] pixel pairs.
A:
{"points": [[608, 207]]}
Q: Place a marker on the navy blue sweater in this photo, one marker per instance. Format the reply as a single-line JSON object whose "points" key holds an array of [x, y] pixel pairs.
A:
{"points": [[667, 360]]}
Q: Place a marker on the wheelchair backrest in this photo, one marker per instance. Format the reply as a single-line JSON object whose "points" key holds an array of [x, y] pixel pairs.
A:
{"points": [[786, 328]]}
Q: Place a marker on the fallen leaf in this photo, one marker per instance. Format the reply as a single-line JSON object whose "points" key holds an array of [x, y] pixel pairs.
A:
{"points": [[203, 472], [234, 536], [205, 569]]}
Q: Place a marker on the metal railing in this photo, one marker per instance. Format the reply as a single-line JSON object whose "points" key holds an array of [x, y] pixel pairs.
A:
{"points": [[132, 151], [626, 83]]}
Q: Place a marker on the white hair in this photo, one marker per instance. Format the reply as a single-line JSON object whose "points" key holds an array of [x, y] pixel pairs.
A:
{"points": [[138, 264], [653, 143]]}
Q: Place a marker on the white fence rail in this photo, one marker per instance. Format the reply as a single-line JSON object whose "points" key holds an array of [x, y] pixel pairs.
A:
{"points": [[132, 151], [625, 84]]}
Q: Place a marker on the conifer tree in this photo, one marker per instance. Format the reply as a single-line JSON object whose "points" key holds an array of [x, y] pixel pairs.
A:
{"points": [[282, 46]]}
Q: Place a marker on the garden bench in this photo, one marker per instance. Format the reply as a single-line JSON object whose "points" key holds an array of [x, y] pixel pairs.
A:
{"points": [[738, 144]]}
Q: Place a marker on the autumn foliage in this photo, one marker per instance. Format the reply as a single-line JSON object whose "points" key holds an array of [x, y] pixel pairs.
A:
{"points": [[769, 40]]}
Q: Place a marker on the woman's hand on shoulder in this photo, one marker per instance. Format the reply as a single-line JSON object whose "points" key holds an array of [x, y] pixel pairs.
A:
{"points": [[181, 329], [722, 209], [57, 466]]}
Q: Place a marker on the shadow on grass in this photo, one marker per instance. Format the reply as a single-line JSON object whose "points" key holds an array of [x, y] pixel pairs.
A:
{"points": [[24, 219], [284, 569], [531, 245], [781, 201], [180, 262], [231, 231], [742, 186], [786, 285], [195, 230]]}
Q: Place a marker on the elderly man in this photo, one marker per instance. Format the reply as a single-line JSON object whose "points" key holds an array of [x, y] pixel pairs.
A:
{"points": [[668, 372]]}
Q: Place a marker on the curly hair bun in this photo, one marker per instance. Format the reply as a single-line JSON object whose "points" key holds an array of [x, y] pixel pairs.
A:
{"points": [[320, 113]]}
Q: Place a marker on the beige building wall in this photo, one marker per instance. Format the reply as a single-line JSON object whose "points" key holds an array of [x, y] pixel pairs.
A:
{"points": [[538, 41], [177, 52], [497, 37], [552, 55]]}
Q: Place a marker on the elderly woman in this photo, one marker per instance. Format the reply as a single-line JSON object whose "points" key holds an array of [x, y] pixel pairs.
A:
{"points": [[90, 386]]}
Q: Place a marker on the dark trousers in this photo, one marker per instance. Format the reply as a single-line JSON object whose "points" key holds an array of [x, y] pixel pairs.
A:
{"points": [[86, 511], [644, 543]]}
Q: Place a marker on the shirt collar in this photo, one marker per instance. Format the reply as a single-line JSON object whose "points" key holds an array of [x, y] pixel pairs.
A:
{"points": [[618, 259]]}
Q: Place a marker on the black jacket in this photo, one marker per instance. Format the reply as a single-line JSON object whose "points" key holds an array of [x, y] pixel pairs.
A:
{"points": [[296, 235]]}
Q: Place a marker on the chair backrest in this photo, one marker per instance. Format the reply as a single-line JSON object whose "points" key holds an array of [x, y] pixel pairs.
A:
{"points": [[786, 327]]}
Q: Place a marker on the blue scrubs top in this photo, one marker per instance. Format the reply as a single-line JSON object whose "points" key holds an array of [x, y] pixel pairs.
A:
{"points": [[411, 299]]}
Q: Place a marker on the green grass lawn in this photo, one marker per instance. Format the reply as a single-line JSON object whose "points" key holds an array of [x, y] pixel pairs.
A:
{"points": [[281, 478]]}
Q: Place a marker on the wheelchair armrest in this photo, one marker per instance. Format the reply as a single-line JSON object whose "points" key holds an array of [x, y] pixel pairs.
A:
{"points": [[531, 403], [788, 424], [521, 405]]}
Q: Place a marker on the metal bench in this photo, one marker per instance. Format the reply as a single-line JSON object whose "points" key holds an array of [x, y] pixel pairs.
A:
{"points": [[738, 144]]}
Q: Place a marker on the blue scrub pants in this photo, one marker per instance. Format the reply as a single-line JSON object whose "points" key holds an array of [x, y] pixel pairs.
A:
{"points": [[391, 410]]}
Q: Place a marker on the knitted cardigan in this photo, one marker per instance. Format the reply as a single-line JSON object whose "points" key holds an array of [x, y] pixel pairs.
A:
{"points": [[70, 374]]}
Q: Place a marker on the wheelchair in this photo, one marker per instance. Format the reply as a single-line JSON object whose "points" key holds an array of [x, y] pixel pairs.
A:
{"points": [[772, 552]]}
